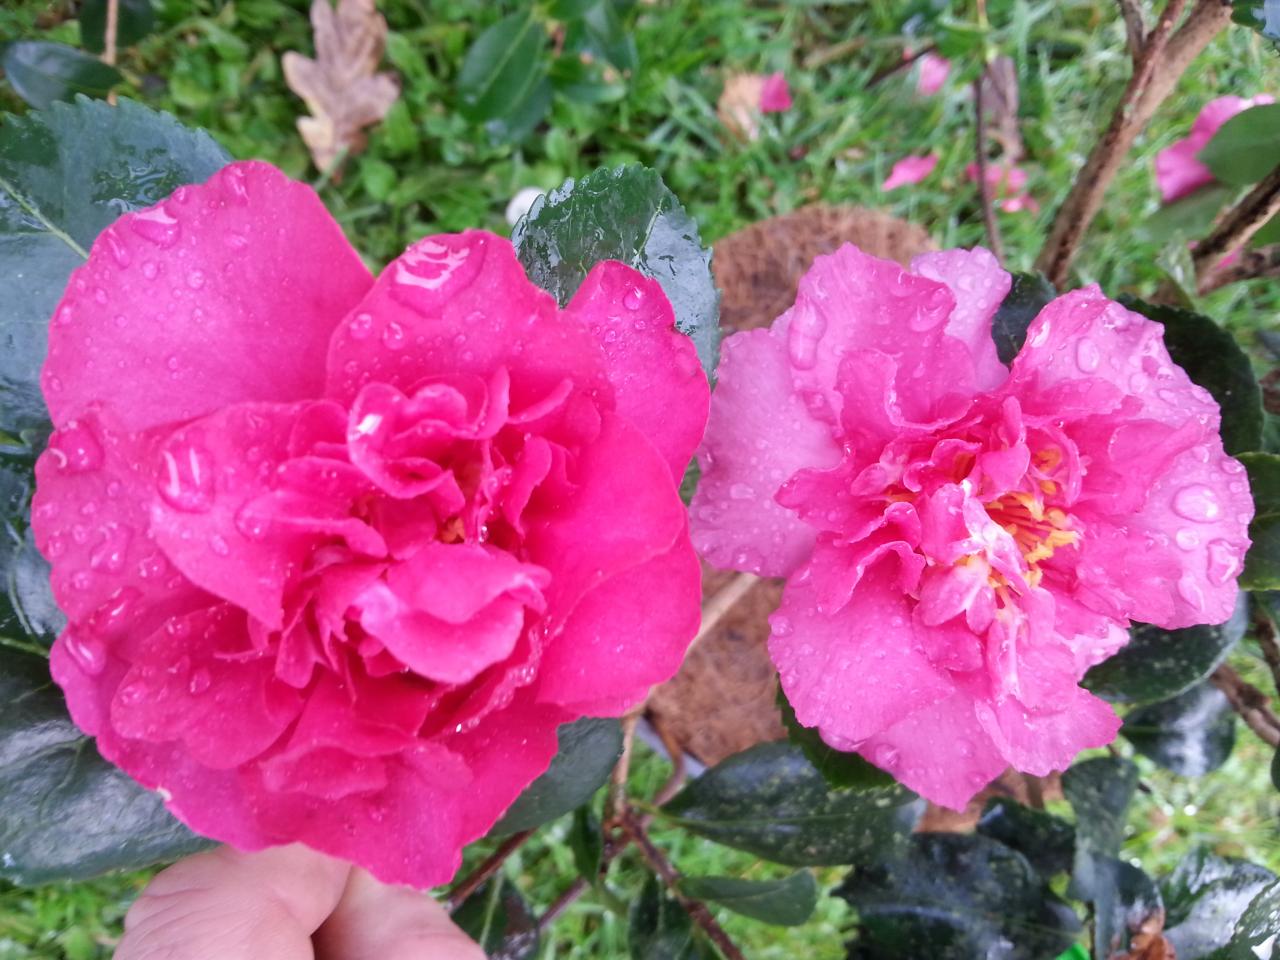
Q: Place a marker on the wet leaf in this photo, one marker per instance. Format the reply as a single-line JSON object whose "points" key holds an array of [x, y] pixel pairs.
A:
{"points": [[27, 608], [787, 902], [1191, 734], [504, 68], [586, 840], [42, 73], [840, 769], [65, 813], [497, 917], [1158, 664], [1262, 15], [1244, 149], [341, 86], [1030, 293], [771, 801], [1099, 791], [1126, 905], [956, 897], [625, 214], [1258, 926], [1205, 897], [135, 21], [1188, 217], [65, 174], [1048, 842], [659, 928], [1262, 563], [589, 748]]}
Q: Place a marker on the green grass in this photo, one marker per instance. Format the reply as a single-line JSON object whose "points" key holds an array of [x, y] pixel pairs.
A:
{"points": [[217, 64]]}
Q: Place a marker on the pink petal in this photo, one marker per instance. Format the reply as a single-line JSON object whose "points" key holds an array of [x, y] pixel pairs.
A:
{"points": [[823, 657], [226, 292], [933, 74], [979, 285], [1179, 170], [657, 380], [618, 643], [1042, 741], [758, 435], [910, 170], [775, 95]]}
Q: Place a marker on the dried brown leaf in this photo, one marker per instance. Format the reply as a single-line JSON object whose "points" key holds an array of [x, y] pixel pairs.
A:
{"points": [[1000, 107], [739, 104], [341, 86], [1148, 942]]}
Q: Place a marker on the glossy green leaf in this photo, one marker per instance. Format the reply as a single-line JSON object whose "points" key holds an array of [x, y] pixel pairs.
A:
{"points": [[497, 917], [503, 65], [1048, 842], [43, 73], [1262, 563], [1262, 15], [1205, 897], [136, 19], [1245, 148], [840, 769], [28, 611], [65, 813], [788, 902], [1030, 293], [586, 840], [1099, 791], [1188, 217], [1190, 734], [659, 928], [605, 35], [625, 214], [956, 897], [1212, 358], [524, 115], [771, 801], [1124, 899], [588, 750], [1258, 926], [1158, 664], [1275, 769], [65, 174]]}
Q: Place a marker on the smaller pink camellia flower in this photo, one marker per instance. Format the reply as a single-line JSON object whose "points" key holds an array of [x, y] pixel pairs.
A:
{"points": [[339, 554], [909, 170], [932, 74], [775, 95], [1179, 171], [962, 541], [1008, 184]]}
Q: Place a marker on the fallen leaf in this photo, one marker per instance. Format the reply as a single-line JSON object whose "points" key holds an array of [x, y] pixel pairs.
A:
{"points": [[1148, 942], [341, 86], [739, 104]]}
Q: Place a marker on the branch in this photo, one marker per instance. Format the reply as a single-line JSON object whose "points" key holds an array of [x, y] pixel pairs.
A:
{"points": [[984, 188], [110, 32], [718, 605], [668, 874], [1135, 26], [1251, 265], [1165, 57], [492, 863], [1252, 704], [1239, 225], [903, 64], [1266, 635]]}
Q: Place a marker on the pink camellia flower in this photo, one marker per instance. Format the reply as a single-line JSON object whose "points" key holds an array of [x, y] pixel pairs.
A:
{"points": [[1178, 168], [338, 554], [933, 73], [909, 170], [961, 540], [775, 95], [1008, 183]]}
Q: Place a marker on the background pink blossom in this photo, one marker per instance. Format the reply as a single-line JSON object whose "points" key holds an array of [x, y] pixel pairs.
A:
{"points": [[1178, 168], [775, 94], [909, 170]]}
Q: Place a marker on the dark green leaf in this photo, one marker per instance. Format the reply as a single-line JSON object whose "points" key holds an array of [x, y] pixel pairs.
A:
{"points": [[1048, 842], [659, 927], [1188, 217], [1190, 734], [497, 917], [1245, 148], [956, 897], [1158, 664], [1030, 293], [606, 36], [589, 748], [65, 813], [788, 902], [27, 608], [586, 840], [65, 174], [1264, 480], [771, 801], [840, 769], [42, 73], [625, 214], [1269, 234], [1212, 358], [524, 115], [1204, 898], [136, 18], [503, 65], [1099, 791], [1275, 769], [1259, 925], [1262, 563], [1124, 899], [1262, 15]]}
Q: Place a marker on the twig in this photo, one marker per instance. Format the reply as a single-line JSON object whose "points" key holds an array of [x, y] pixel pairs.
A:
{"points": [[618, 779], [717, 606], [492, 863], [1251, 265], [1252, 704], [1165, 57], [1239, 225], [676, 752], [825, 55], [1266, 635], [668, 874], [984, 188], [903, 64], [109, 34], [1135, 26]]}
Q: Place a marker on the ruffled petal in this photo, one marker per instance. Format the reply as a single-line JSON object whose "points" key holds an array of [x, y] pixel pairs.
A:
{"points": [[979, 285], [226, 292]]}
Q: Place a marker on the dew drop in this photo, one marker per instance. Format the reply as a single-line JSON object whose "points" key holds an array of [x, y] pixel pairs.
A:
{"points": [[1190, 591], [119, 252], [75, 449], [157, 226], [885, 756], [393, 336], [201, 680], [1197, 502], [782, 626], [195, 279], [1040, 337], [633, 299], [186, 476], [741, 491], [150, 270], [89, 652], [1087, 356], [361, 326], [807, 328], [1186, 539], [1224, 562], [218, 544]]}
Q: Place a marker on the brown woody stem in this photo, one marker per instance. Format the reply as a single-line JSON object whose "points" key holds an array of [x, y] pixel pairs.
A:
{"points": [[1238, 226], [1251, 265], [1135, 26], [491, 865], [1253, 706]]}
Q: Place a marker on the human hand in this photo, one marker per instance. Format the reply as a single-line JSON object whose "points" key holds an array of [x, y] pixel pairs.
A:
{"points": [[285, 903]]}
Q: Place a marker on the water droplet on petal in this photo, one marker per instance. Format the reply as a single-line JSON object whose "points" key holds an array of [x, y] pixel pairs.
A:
{"points": [[75, 449], [1186, 539], [119, 252], [741, 491], [782, 626], [1224, 562], [156, 225], [150, 270], [885, 756], [1087, 356], [393, 336], [807, 327], [186, 475], [219, 545], [633, 299], [361, 326], [195, 279], [201, 680], [1190, 591], [89, 652], [1197, 502]]}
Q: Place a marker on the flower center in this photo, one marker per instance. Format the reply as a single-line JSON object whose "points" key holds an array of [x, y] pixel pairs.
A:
{"points": [[1036, 529]]}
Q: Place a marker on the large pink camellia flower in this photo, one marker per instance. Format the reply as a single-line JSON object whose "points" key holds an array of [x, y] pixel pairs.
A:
{"points": [[338, 555], [961, 540], [1179, 170]]}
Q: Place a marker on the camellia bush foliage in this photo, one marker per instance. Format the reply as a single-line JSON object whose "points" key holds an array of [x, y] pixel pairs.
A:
{"points": [[387, 565]]}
